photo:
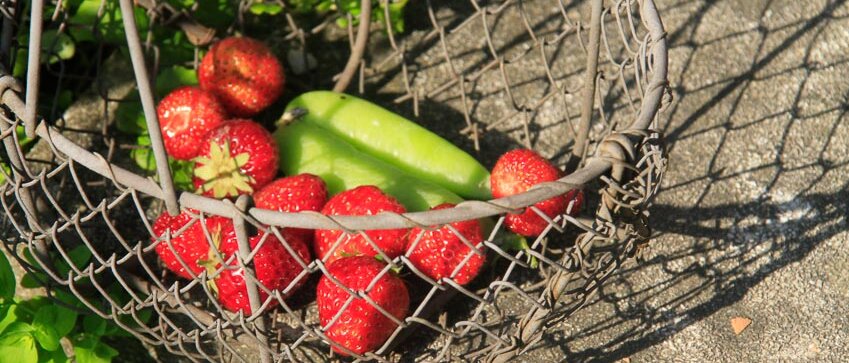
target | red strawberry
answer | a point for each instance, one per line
(517, 171)
(362, 200)
(243, 74)
(190, 244)
(361, 327)
(438, 252)
(303, 192)
(275, 268)
(238, 157)
(186, 115)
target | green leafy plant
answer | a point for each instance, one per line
(378, 13)
(32, 330)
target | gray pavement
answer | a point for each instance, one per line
(751, 221)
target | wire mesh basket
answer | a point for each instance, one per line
(581, 82)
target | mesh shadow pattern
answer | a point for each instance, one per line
(489, 76)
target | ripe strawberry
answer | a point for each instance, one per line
(275, 268)
(303, 192)
(362, 200)
(438, 252)
(244, 75)
(360, 327)
(190, 244)
(186, 115)
(517, 171)
(236, 158)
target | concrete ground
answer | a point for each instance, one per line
(752, 219)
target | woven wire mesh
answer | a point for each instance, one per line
(487, 75)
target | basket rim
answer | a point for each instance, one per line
(594, 167)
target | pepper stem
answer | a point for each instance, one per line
(291, 116)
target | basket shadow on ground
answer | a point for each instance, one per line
(730, 247)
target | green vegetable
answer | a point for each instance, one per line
(395, 140)
(305, 148)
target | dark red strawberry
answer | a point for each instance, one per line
(244, 75)
(189, 243)
(361, 327)
(303, 192)
(438, 252)
(275, 268)
(186, 115)
(238, 157)
(517, 171)
(362, 200)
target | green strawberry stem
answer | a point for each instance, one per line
(514, 242)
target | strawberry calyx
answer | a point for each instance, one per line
(222, 172)
(396, 269)
(513, 242)
(212, 260)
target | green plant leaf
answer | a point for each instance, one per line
(29, 307)
(89, 349)
(129, 116)
(32, 280)
(172, 77)
(23, 140)
(110, 26)
(56, 46)
(44, 330)
(7, 279)
(5, 171)
(65, 321)
(143, 156)
(20, 67)
(182, 174)
(79, 256)
(8, 314)
(95, 325)
(18, 347)
(174, 47)
(265, 8)
(18, 327)
(65, 99)
(218, 14)
(56, 356)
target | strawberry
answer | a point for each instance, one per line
(362, 200)
(361, 327)
(186, 115)
(439, 252)
(303, 192)
(275, 267)
(190, 243)
(517, 171)
(236, 158)
(244, 75)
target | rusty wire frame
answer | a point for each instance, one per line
(614, 148)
